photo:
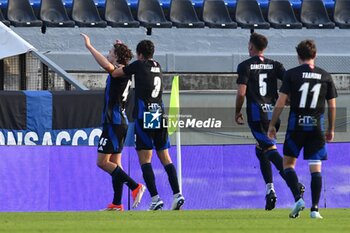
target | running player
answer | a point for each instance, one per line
(115, 123)
(149, 130)
(257, 81)
(308, 88)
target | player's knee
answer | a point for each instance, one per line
(271, 153)
(269, 149)
(101, 164)
(164, 157)
(165, 160)
(315, 166)
(143, 159)
(288, 162)
(258, 152)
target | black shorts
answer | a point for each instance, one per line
(112, 138)
(313, 142)
(259, 130)
(148, 139)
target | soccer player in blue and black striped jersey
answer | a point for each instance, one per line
(150, 132)
(308, 88)
(257, 82)
(115, 123)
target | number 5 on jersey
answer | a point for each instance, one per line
(262, 84)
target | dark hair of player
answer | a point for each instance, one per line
(123, 53)
(306, 50)
(146, 48)
(259, 41)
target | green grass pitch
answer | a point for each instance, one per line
(254, 221)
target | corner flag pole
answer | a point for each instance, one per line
(178, 157)
(174, 111)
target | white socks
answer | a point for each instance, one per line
(269, 187)
(155, 198)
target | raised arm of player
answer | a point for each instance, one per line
(100, 59)
(241, 92)
(119, 72)
(331, 119)
(281, 102)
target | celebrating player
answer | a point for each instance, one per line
(257, 81)
(115, 123)
(308, 88)
(149, 130)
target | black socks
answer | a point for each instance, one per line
(149, 178)
(172, 176)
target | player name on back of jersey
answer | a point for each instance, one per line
(155, 69)
(311, 75)
(261, 66)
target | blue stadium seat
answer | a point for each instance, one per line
(314, 15)
(342, 13)
(21, 14)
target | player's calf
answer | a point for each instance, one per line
(301, 189)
